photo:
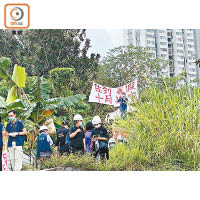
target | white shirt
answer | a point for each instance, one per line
(49, 140)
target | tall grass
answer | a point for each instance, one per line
(165, 128)
(164, 134)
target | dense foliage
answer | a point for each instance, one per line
(164, 130)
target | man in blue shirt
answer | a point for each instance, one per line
(123, 104)
(44, 143)
(16, 132)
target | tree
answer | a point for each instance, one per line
(123, 64)
(62, 80)
(43, 50)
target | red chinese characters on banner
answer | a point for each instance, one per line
(108, 99)
(98, 88)
(103, 94)
(4, 162)
(117, 98)
(130, 87)
(119, 90)
(99, 98)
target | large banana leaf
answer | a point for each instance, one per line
(16, 81)
(19, 76)
(40, 89)
(12, 95)
(16, 104)
(64, 102)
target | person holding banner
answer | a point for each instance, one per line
(2, 142)
(16, 131)
(123, 104)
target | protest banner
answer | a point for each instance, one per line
(106, 95)
(4, 161)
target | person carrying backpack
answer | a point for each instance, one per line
(44, 143)
(100, 138)
(88, 137)
(62, 139)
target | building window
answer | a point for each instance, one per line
(163, 43)
(169, 51)
(178, 33)
(150, 30)
(163, 37)
(192, 69)
(179, 45)
(180, 63)
(189, 34)
(150, 42)
(192, 75)
(179, 51)
(190, 46)
(151, 48)
(163, 55)
(169, 39)
(163, 49)
(181, 57)
(161, 31)
(190, 40)
(150, 36)
(169, 33)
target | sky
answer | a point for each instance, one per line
(104, 39)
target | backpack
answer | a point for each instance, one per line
(67, 139)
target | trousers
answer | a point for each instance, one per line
(16, 157)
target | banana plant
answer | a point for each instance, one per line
(41, 106)
(16, 82)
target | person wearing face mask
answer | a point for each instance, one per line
(16, 131)
(77, 136)
(123, 104)
(100, 138)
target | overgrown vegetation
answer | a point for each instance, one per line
(163, 132)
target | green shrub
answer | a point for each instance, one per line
(165, 129)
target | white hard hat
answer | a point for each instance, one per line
(111, 140)
(43, 128)
(120, 138)
(78, 117)
(96, 120)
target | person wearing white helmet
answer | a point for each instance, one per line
(77, 137)
(44, 143)
(100, 138)
(120, 139)
(111, 143)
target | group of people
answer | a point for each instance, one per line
(93, 139)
